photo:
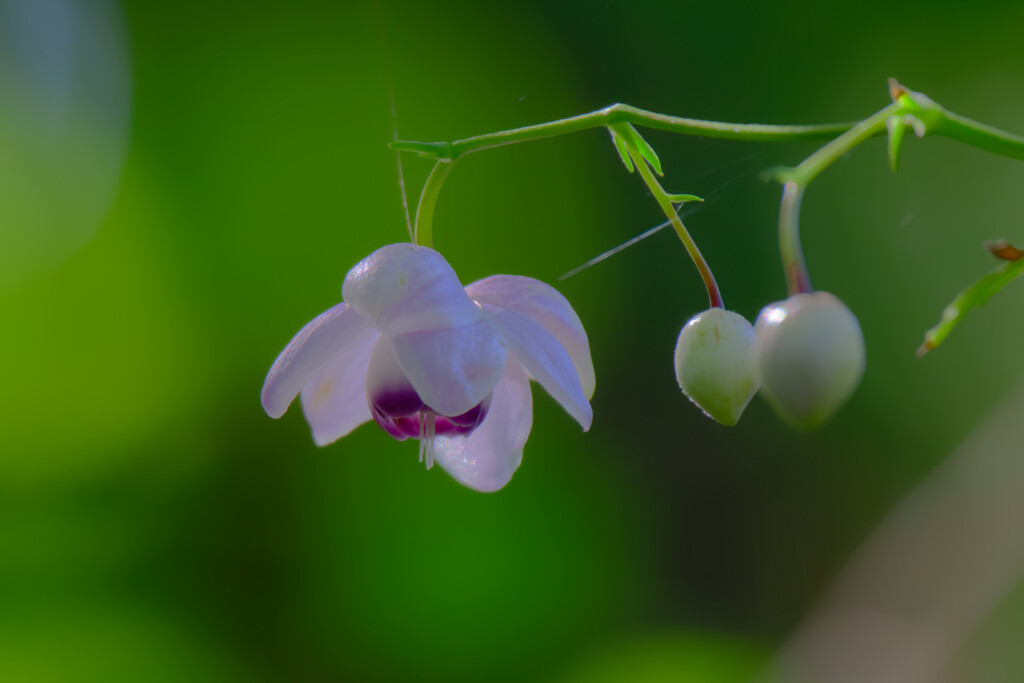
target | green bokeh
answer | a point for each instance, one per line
(155, 524)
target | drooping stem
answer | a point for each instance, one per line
(423, 232)
(798, 280)
(665, 202)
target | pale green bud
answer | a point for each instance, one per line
(714, 366)
(809, 355)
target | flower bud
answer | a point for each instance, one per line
(714, 366)
(809, 355)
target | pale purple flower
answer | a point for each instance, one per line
(428, 359)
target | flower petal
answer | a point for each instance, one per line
(452, 369)
(544, 358)
(334, 401)
(338, 332)
(486, 459)
(546, 305)
(406, 287)
(387, 387)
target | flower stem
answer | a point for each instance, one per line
(812, 166)
(423, 232)
(665, 202)
(798, 280)
(796, 180)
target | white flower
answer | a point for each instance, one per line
(427, 359)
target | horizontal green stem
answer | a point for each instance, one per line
(978, 135)
(938, 120)
(622, 113)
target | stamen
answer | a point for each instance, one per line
(422, 423)
(427, 438)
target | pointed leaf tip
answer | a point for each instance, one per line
(647, 152)
(682, 198)
(780, 174)
(972, 297)
(632, 142)
(896, 90)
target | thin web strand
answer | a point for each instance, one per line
(687, 211)
(398, 164)
(386, 59)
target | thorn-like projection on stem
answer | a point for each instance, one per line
(896, 90)
(1002, 249)
(894, 125)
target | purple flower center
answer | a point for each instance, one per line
(402, 414)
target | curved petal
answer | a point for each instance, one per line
(337, 332)
(544, 304)
(334, 400)
(406, 287)
(544, 358)
(452, 369)
(486, 459)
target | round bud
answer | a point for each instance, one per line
(714, 365)
(809, 356)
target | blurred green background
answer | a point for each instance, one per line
(184, 185)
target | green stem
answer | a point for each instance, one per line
(621, 113)
(938, 120)
(972, 297)
(979, 135)
(665, 202)
(423, 232)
